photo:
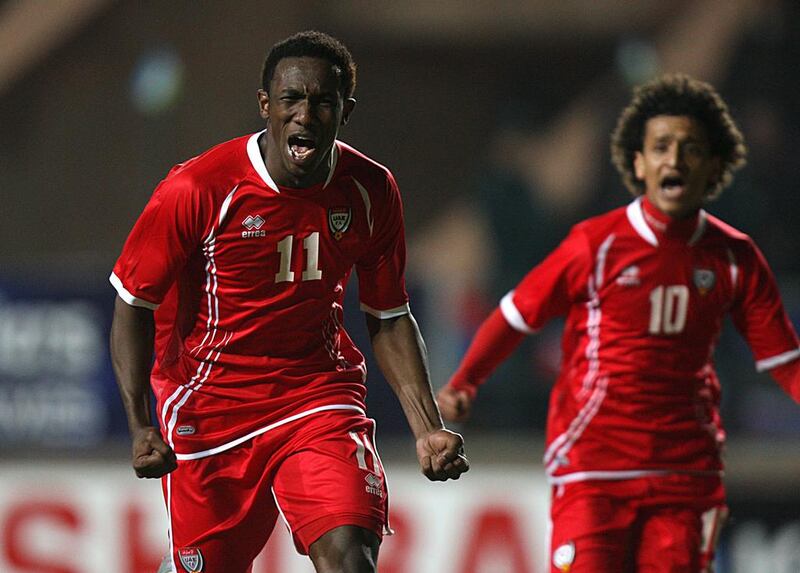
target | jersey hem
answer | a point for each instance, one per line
(233, 443)
(623, 474)
(125, 295)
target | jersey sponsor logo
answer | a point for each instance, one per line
(339, 220)
(191, 559)
(253, 226)
(704, 280)
(629, 276)
(185, 430)
(564, 556)
(374, 485)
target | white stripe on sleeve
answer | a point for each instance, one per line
(513, 315)
(125, 295)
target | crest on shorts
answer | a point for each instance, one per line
(704, 280)
(564, 556)
(191, 559)
(339, 220)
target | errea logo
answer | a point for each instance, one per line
(253, 226)
(629, 276)
(374, 485)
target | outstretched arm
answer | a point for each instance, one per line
(493, 343)
(401, 356)
(132, 334)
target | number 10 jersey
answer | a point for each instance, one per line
(637, 392)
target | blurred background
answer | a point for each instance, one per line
(494, 117)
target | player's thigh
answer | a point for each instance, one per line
(347, 549)
(670, 540)
(335, 480)
(591, 533)
(220, 510)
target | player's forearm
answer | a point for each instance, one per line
(132, 334)
(401, 356)
(492, 344)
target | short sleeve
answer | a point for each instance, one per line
(758, 312)
(381, 270)
(550, 288)
(167, 232)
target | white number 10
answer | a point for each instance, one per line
(311, 246)
(668, 306)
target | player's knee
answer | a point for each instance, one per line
(346, 549)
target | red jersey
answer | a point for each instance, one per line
(644, 301)
(247, 281)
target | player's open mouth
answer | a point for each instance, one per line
(300, 147)
(673, 186)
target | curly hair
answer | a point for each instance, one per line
(677, 95)
(315, 45)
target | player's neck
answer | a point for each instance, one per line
(664, 225)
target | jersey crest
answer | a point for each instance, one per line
(191, 559)
(704, 280)
(339, 220)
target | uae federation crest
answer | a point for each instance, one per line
(191, 559)
(704, 280)
(339, 220)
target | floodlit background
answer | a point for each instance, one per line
(495, 118)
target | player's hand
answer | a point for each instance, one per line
(152, 457)
(455, 405)
(441, 455)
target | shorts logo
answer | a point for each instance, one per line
(191, 559)
(374, 485)
(704, 280)
(339, 220)
(253, 226)
(185, 430)
(564, 556)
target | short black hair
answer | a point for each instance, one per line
(315, 45)
(677, 95)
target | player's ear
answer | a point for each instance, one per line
(638, 165)
(349, 104)
(263, 104)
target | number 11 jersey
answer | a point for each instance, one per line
(247, 282)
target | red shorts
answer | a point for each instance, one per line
(317, 473)
(665, 524)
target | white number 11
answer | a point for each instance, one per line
(311, 246)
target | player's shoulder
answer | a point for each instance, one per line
(719, 228)
(213, 169)
(352, 163)
(718, 231)
(599, 227)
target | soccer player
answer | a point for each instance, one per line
(235, 274)
(633, 433)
